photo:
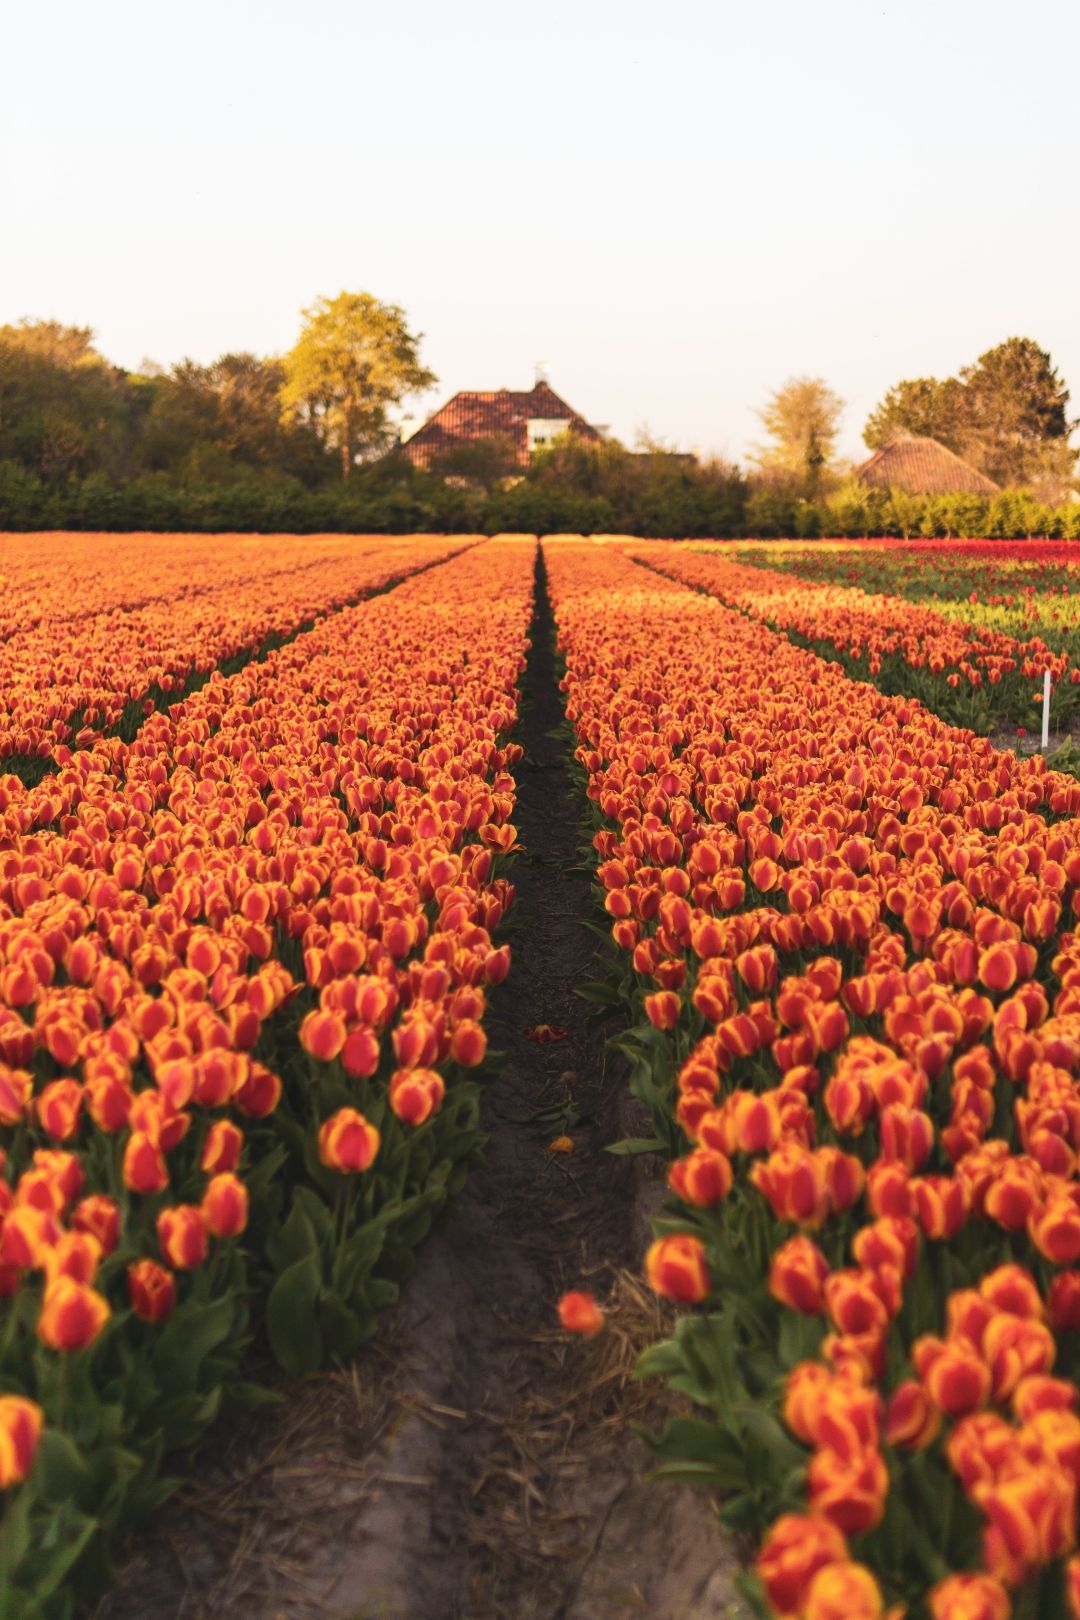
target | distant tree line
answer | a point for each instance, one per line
(305, 442)
(1006, 415)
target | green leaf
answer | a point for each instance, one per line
(600, 992)
(291, 1323)
(61, 1473)
(631, 1145)
(249, 1395)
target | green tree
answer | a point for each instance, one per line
(484, 462)
(226, 416)
(1007, 414)
(354, 359)
(64, 410)
(923, 406)
(1017, 424)
(802, 420)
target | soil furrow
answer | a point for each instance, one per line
(477, 1464)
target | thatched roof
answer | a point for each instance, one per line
(923, 467)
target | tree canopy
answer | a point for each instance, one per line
(1007, 414)
(63, 409)
(802, 420)
(355, 358)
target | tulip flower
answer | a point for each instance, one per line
(676, 1268)
(21, 1422)
(152, 1290)
(347, 1142)
(579, 1313)
(72, 1315)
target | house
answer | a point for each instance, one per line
(531, 420)
(922, 467)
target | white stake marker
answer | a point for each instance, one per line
(1046, 708)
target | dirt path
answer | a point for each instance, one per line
(477, 1465)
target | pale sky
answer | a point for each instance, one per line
(675, 207)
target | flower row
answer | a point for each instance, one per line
(67, 679)
(970, 673)
(244, 963)
(845, 932)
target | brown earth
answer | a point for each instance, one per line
(476, 1464)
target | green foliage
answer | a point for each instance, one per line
(64, 411)
(1016, 421)
(354, 358)
(802, 420)
(1007, 415)
(922, 406)
(222, 423)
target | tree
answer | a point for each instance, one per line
(1006, 414)
(355, 358)
(64, 410)
(480, 461)
(922, 406)
(1016, 409)
(226, 415)
(802, 420)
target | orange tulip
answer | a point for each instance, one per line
(677, 1268)
(969, 1597)
(181, 1234)
(956, 1378)
(100, 1216)
(152, 1290)
(797, 1276)
(845, 1591)
(21, 1422)
(347, 1142)
(72, 1315)
(224, 1205)
(416, 1094)
(796, 1546)
(222, 1148)
(579, 1313)
(703, 1178)
(912, 1421)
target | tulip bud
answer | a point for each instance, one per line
(663, 1009)
(152, 1290)
(703, 1178)
(1063, 1302)
(21, 1423)
(72, 1315)
(222, 1148)
(677, 1269)
(181, 1233)
(100, 1216)
(360, 1054)
(468, 1044)
(579, 1313)
(844, 1592)
(957, 1378)
(796, 1546)
(144, 1168)
(415, 1094)
(911, 1418)
(58, 1108)
(322, 1034)
(347, 1142)
(797, 1276)
(224, 1206)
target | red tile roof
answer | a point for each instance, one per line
(923, 467)
(498, 414)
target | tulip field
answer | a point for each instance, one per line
(257, 849)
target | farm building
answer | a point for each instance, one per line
(530, 419)
(922, 467)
